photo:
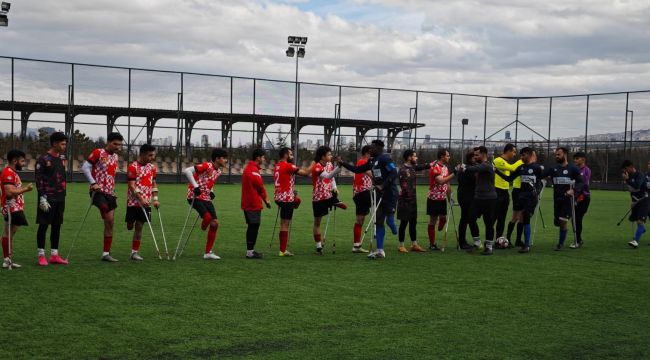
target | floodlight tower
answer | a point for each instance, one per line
(4, 9)
(296, 48)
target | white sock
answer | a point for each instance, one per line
(319, 245)
(249, 252)
(41, 252)
(54, 252)
(357, 245)
(133, 251)
(105, 253)
(414, 242)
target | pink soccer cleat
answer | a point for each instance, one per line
(56, 259)
(42, 261)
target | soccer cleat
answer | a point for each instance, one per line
(487, 251)
(434, 247)
(559, 247)
(8, 264)
(379, 254)
(359, 250)
(634, 244)
(42, 261)
(319, 251)
(477, 244)
(524, 250)
(341, 205)
(466, 247)
(211, 256)
(417, 248)
(109, 258)
(287, 253)
(255, 255)
(56, 259)
(574, 245)
(136, 257)
(402, 249)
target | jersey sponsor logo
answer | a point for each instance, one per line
(530, 171)
(565, 172)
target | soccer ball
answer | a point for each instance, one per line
(502, 243)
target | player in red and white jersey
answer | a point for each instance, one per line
(100, 169)
(439, 190)
(141, 194)
(284, 174)
(13, 203)
(202, 178)
(361, 188)
(324, 193)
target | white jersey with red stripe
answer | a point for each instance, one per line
(362, 182)
(206, 175)
(284, 178)
(437, 191)
(322, 188)
(144, 176)
(10, 177)
(104, 169)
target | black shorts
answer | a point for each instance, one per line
(362, 202)
(104, 202)
(516, 205)
(436, 207)
(407, 209)
(286, 209)
(526, 201)
(134, 213)
(17, 218)
(54, 216)
(253, 217)
(202, 207)
(483, 208)
(561, 210)
(322, 208)
(640, 210)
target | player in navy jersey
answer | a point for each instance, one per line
(566, 183)
(51, 185)
(638, 188)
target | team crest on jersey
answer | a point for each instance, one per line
(530, 171)
(48, 163)
(565, 172)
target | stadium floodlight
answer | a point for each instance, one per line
(4, 21)
(5, 6)
(296, 47)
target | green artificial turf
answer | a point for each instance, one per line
(587, 303)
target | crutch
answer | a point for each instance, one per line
(83, 221)
(183, 230)
(189, 234)
(538, 209)
(334, 237)
(162, 230)
(275, 225)
(327, 223)
(626, 214)
(453, 220)
(372, 218)
(11, 248)
(153, 236)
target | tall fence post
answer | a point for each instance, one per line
(586, 124)
(451, 113)
(627, 103)
(485, 120)
(550, 117)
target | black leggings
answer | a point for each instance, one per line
(581, 210)
(412, 224)
(465, 220)
(251, 236)
(54, 236)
